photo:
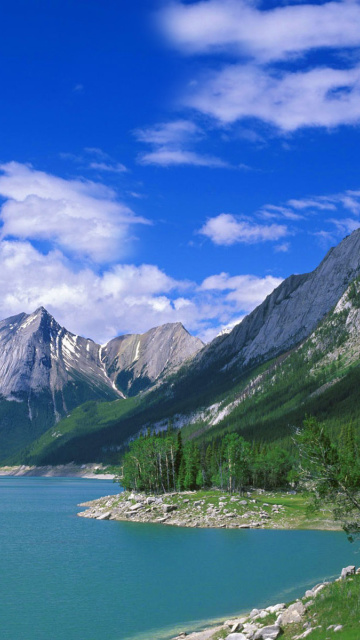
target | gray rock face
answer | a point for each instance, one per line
(290, 313)
(39, 356)
(135, 362)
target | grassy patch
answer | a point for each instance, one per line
(337, 604)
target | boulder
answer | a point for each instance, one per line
(270, 632)
(236, 636)
(249, 629)
(104, 516)
(169, 507)
(254, 612)
(347, 571)
(235, 621)
(150, 500)
(275, 608)
(261, 615)
(293, 613)
(136, 506)
(338, 627)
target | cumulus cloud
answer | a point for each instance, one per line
(246, 290)
(171, 144)
(81, 217)
(299, 93)
(226, 229)
(122, 299)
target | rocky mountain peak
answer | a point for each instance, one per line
(135, 362)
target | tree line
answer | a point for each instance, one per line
(159, 463)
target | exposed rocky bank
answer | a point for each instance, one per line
(257, 509)
(60, 471)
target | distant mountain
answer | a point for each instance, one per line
(135, 362)
(297, 353)
(46, 371)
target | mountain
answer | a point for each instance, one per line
(289, 313)
(46, 371)
(135, 362)
(297, 353)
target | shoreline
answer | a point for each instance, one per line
(88, 471)
(295, 620)
(211, 509)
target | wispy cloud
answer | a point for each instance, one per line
(172, 144)
(110, 168)
(289, 218)
(95, 159)
(167, 157)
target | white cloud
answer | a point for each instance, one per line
(302, 92)
(246, 290)
(287, 100)
(78, 216)
(171, 145)
(240, 27)
(226, 229)
(122, 299)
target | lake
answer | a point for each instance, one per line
(70, 578)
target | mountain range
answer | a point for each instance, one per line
(295, 353)
(46, 371)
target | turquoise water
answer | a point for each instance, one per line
(69, 578)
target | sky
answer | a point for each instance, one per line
(172, 161)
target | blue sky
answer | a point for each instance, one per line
(172, 161)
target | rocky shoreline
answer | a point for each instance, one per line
(296, 620)
(257, 509)
(89, 471)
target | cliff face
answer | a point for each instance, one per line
(290, 313)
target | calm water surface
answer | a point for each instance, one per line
(69, 578)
